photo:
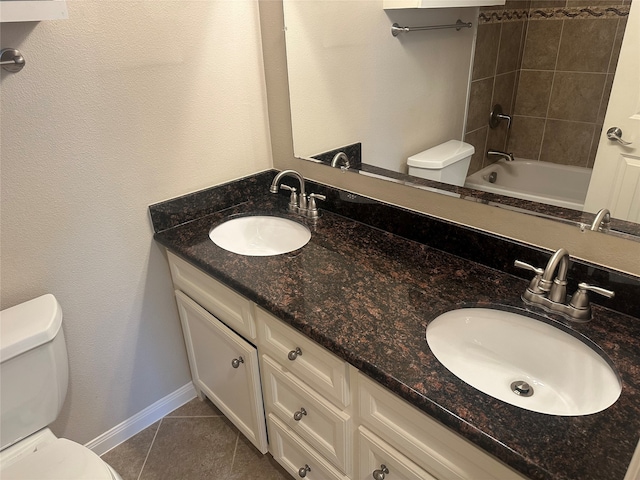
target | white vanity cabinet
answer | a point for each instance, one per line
(325, 419)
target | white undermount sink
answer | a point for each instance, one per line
(523, 361)
(260, 235)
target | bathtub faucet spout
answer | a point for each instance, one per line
(507, 156)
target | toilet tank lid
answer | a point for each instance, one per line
(441, 155)
(29, 325)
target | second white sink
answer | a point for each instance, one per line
(260, 235)
(523, 361)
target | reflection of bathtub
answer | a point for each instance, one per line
(544, 182)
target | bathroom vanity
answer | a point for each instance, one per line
(326, 345)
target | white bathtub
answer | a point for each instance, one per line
(544, 182)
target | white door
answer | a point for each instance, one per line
(615, 182)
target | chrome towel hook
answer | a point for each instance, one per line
(11, 60)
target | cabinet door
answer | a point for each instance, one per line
(225, 368)
(377, 459)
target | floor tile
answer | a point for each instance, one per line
(248, 462)
(191, 448)
(128, 458)
(196, 408)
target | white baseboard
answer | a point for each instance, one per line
(141, 420)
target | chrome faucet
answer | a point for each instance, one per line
(302, 204)
(507, 156)
(341, 156)
(602, 220)
(551, 293)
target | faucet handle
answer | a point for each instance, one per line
(312, 211)
(293, 198)
(534, 285)
(580, 299)
(528, 266)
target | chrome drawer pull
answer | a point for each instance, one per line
(293, 354)
(235, 363)
(303, 470)
(299, 414)
(379, 474)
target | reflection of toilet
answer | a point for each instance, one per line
(447, 162)
(34, 376)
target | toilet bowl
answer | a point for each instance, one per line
(446, 163)
(33, 385)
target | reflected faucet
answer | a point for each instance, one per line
(602, 220)
(507, 156)
(341, 156)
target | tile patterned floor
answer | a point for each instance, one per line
(193, 442)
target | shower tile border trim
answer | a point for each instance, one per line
(565, 13)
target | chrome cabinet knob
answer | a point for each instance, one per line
(299, 414)
(235, 363)
(293, 354)
(615, 134)
(302, 472)
(379, 474)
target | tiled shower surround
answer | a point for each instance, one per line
(550, 64)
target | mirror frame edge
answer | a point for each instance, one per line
(605, 250)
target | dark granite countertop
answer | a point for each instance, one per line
(368, 295)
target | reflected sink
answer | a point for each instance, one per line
(260, 235)
(523, 361)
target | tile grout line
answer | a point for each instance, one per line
(150, 447)
(235, 449)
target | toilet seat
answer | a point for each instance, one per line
(59, 460)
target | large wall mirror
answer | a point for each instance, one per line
(382, 99)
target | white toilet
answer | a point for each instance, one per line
(34, 375)
(447, 162)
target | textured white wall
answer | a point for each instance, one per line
(125, 104)
(351, 81)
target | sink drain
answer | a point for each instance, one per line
(522, 388)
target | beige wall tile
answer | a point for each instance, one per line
(576, 96)
(525, 138)
(504, 91)
(594, 145)
(534, 90)
(510, 44)
(586, 45)
(477, 138)
(486, 55)
(479, 104)
(541, 45)
(606, 95)
(568, 143)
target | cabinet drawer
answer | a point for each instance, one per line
(324, 426)
(375, 454)
(234, 387)
(431, 445)
(294, 454)
(229, 307)
(317, 367)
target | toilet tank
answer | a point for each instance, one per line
(34, 372)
